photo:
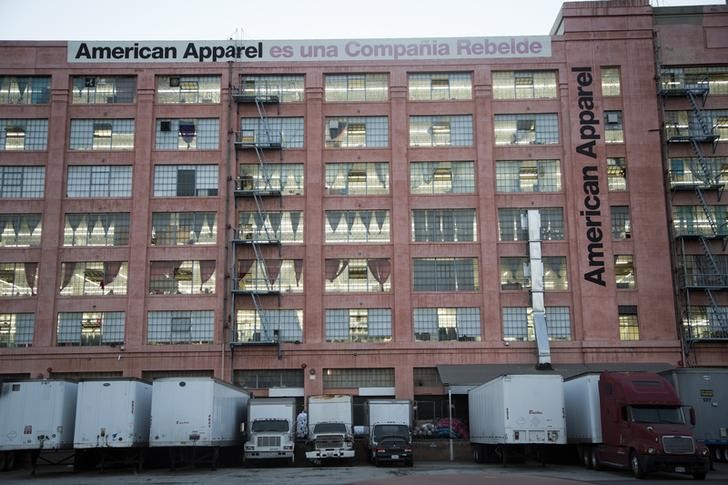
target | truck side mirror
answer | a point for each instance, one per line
(692, 416)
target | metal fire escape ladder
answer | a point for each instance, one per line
(533, 220)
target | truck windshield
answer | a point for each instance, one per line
(270, 425)
(641, 414)
(330, 428)
(382, 431)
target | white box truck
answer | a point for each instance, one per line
(390, 430)
(196, 412)
(112, 420)
(513, 414)
(270, 429)
(35, 416)
(330, 428)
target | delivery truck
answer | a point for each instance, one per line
(36, 416)
(330, 434)
(390, 430)
(632, 420)
(706, 390)
(191, 415)
(515, 415)
(270, 429)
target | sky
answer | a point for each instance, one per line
(277, 19)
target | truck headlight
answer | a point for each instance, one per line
(553, 436)
(651, 451)
(705, 452)
(249, 447)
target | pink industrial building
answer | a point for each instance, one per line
(374, 217)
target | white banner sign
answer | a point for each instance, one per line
(470, 48)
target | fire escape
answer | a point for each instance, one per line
(253, 239)
(698, 273)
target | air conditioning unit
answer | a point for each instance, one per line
(174, 82)
(90, 82)
(612, 118)
(165, 125)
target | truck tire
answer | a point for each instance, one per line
(636, 465)
(594, 459)
(586, 457)
(477, 454)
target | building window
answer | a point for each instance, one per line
(610, 81)
(18, 182)
(435, 131)
(105, 134)
(96, 229)
(443, 324)
(357, 132)
(613, 132)
(189, 134)
(440, 86)
(92, 181)
(426, 376)
(624, 271)
(103, 90)
(16, 329)
(445, 274)
(182, 277)
(691, 220)
(287, 89)
(183, 228)
(20, 230)
(716, 78)
(23, 134)
(358, 275)
(181, 327)
(25, 89)
(185, 180)
(690, 171)
(283, 226)
(353, 378)
(524, 85)
(516, 273)
(512, 224)
(357, 226)
(518, 324)
(431, 178)
(93, 278)
(18, 279)
(617, 174)
(286, 132)
(701, 322)
(698, 270)
(269, 275)
(359, 325)
(528, 176)
(288, 178)
(90, 328)
(188, 89)
(267, 378)
(366, 178)
(356, 87)
(519, 129)
(283, 325)
(444, 225)
(628, 326)
(621, 227)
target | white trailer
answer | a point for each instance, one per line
(196, 412)
(583, 410)
(35, 416)
(270, 429)
(390, 430)
(516, 413)
(329, 428)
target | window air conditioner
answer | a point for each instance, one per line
(165, 125)
(90, 82)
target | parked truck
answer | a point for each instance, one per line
(516, 414)
(36, 416)
(330, 433)
(270, 429)
(706, 390)
(632, 420)
(390, 430)
(198, 414)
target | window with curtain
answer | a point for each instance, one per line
(184, 228)
(515, 273)
(269, 274)
(445, 274)
(20, 230)
(187, 134)
(90, 328)
(23, 134)
(431, 178)
(354, 179)
(444, 225)
(95, 278)
(358, 275)
(16, 329)
(447, 324)
(96, 229)
(283, 226)
(103, 89)
(18, 279)
(440, 86)
(284, 177)
(356, 226)
(285, 324)
(518, 324)
(180, 327)
(182, 277)
(25, 89)
(358, 325)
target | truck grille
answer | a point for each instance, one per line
(269, 441)
(329, 441)
(678, 445)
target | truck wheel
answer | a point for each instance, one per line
(636, 465)
(725, 453)
(476, 454)
(594, 459)
(586, 458)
